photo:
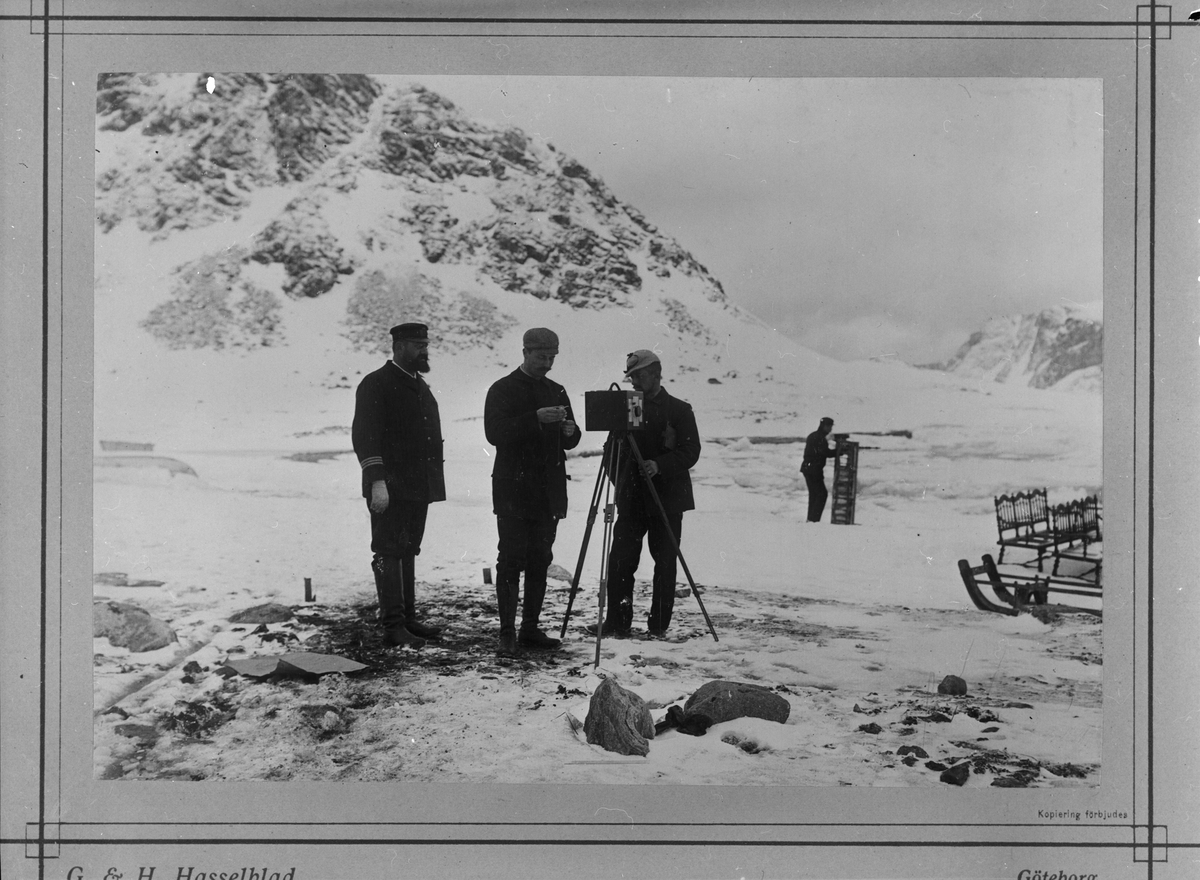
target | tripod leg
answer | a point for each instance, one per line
(641, 463)
(587, 535)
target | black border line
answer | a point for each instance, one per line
(45, 428)
(1150, 451)
(1155, 26)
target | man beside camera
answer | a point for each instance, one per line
(528, 418)
(669, 443)
(816, 451)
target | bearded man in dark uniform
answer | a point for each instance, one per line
(528, 418)
(397, 436)
(670, 445)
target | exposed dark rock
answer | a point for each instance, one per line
(128, 626)
(953, 686)
(726, 700)
(957, 775)
(912, 750)
(870, 728)
(618, 720)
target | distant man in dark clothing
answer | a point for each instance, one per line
(397, 437)
(816, 451)
(528, 418)
(670, 444)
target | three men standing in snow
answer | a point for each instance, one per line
(528, 418)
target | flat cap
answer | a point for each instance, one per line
(539, 338)
(643, 357)
(410, 331)
(825, 420)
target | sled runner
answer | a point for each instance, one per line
(1016, 592)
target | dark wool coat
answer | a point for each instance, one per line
(816, 452)
(670, 439)
(529, 477)
(397, 435)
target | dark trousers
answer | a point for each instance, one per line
(526, 544)
(817, 495)
(631, 526)
(399, 529)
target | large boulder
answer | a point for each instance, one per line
(618, 720)
(726, 700)
(128, 626)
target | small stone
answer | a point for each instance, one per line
(912, 750)
(953, 686)
(870, 728)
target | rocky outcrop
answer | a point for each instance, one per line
(203, 153)
(373, 169)
(1039, 350)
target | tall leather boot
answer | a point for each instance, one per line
(531, 611)
(508, 587)
(424, 631)
(389, 587)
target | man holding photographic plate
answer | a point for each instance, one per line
(528, 418)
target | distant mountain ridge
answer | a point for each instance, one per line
(388, 186)
(1060, 347)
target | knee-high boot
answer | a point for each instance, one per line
(414, 626)
(508, 587)
(531, 611)
(389, 587)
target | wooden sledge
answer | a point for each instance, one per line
(1019, 592)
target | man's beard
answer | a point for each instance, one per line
(419, 364)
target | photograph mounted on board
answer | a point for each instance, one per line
(863, 318)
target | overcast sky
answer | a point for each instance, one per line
(861, 217)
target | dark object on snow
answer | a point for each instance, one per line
(128, 626)
(953, 686)
(618, 720)
(270, 612)
(912, 750)
(692, 725)
(935, 766)
(956, 775)
(298, 663)
(870, 728)
(125, 446)
(120, 579)
(726, 700)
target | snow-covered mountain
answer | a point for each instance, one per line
(388, 187)
(1060, 347)
(254, 243)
